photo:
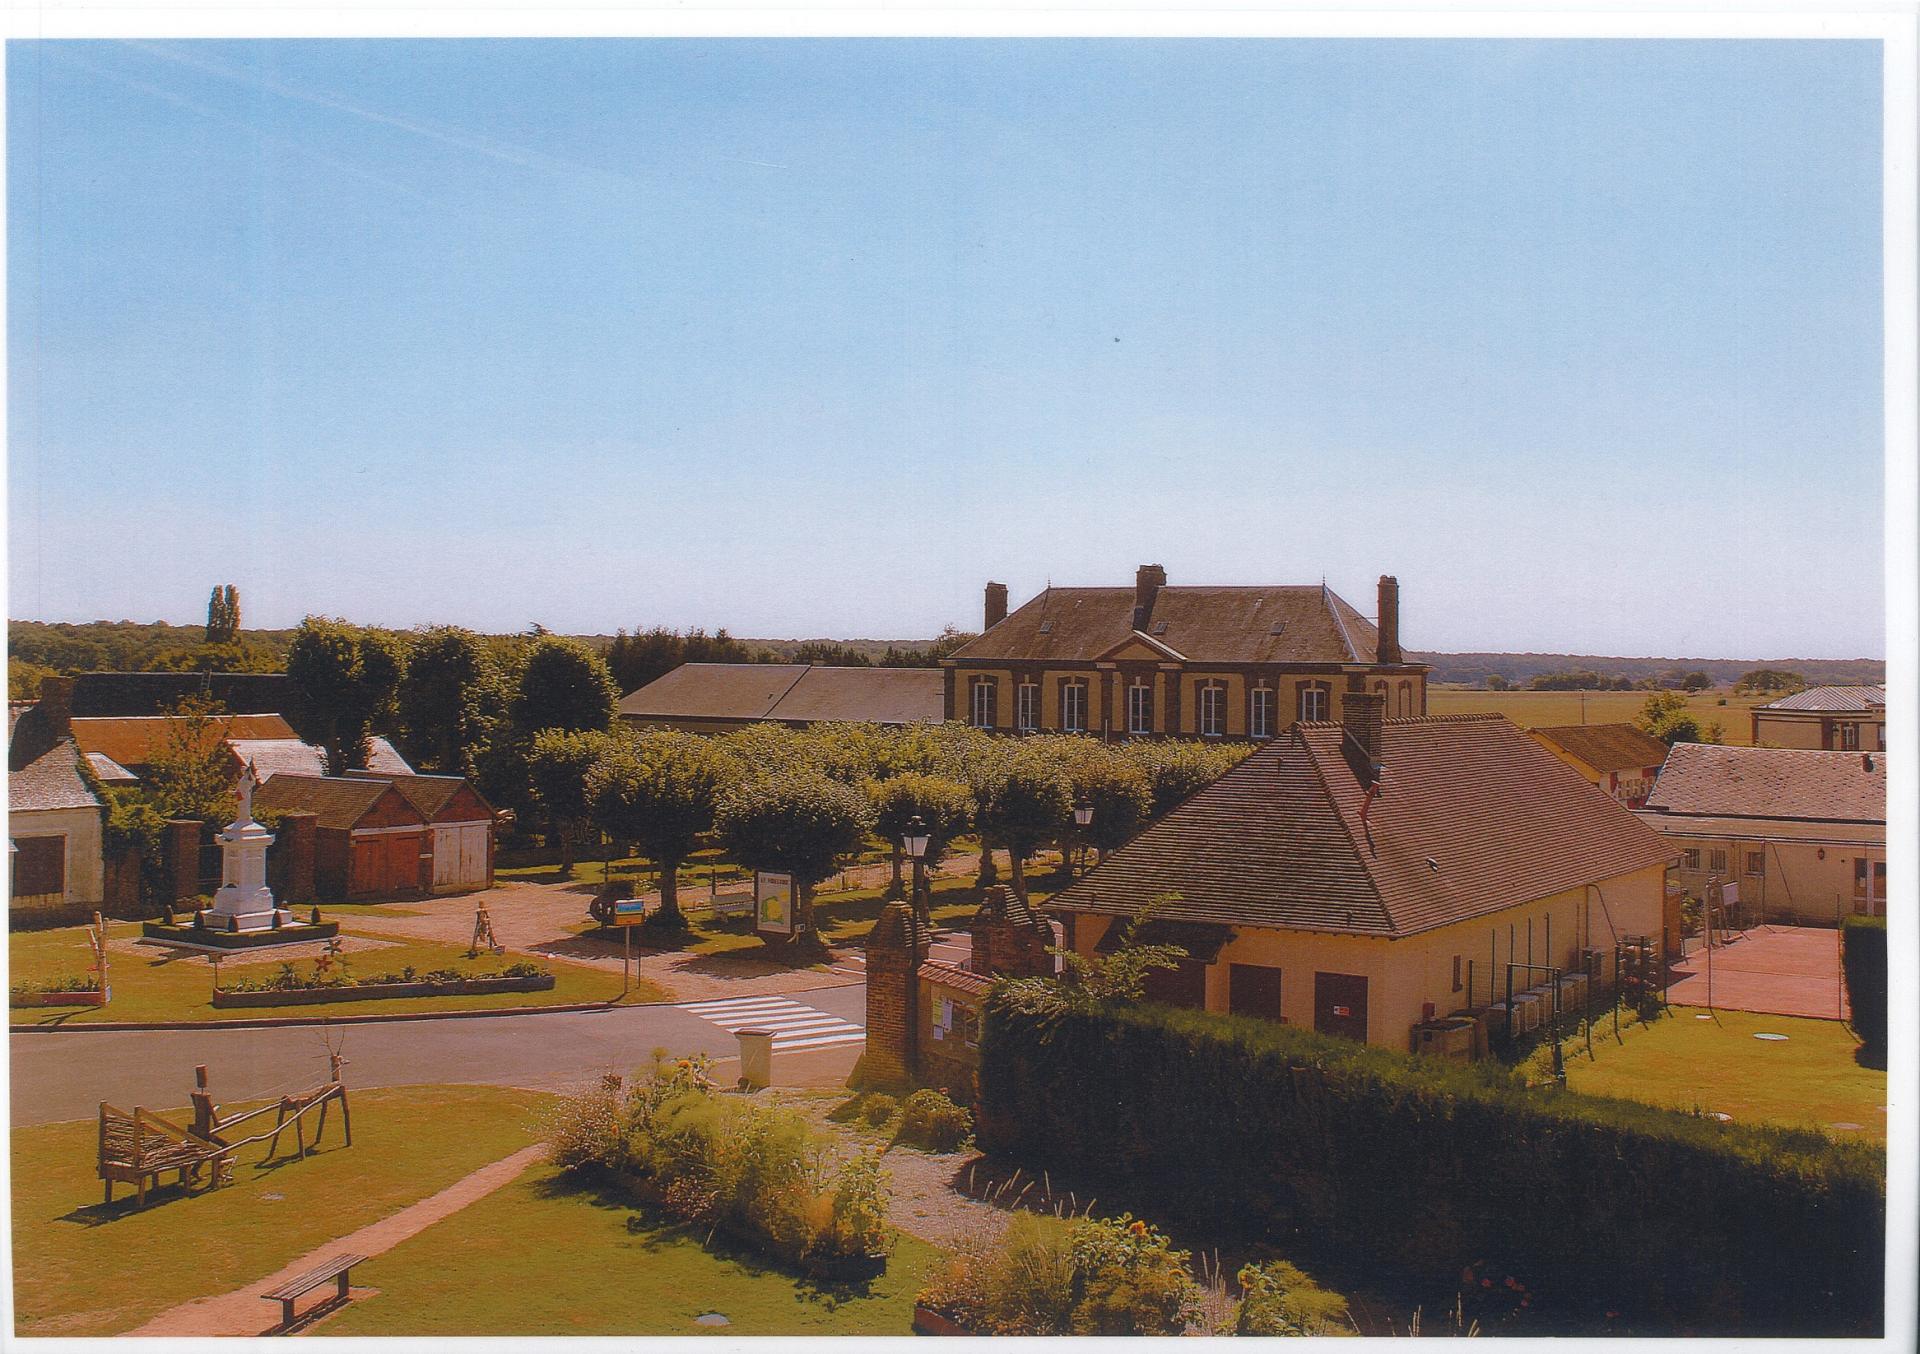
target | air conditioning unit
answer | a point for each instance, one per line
(1448, 1037)
(1486, 1028)
(1526, 1011)
(1573, 991)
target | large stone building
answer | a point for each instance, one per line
(1801, 834)
(1830, 718)
(1210, 662)
(1360, 878)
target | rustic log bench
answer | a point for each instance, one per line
(300, 1284)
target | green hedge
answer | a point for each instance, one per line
(1420, 1169)
(1863, 957)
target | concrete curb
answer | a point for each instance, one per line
(397, 1018)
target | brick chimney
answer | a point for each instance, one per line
(996, 605)
(56, 705)
(1147, 582)
(1389, 620)
(1362, 713)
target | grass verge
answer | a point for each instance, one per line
(81, 1268)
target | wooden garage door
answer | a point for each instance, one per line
(1254, 989)
(386, 863)
(460, 856)
(1340, 1005)
(1182, 986)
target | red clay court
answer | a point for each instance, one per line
(1778, 970)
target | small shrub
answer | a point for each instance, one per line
(1863, 959)
(584, 1130)
(930, 1120)
(1130, 1279)
(878, 1109)
(1280, 1300)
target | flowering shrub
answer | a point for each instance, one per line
(760, 1173)
(86, 982)
(332, 972)
(1280, 1300)
(878, 1108)
(929, 1119)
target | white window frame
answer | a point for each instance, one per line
(1313, 704)
(1026, 707)
(1073, 707)
(1139, 704)
(1211, 710)
(1717, 860)
(980, 702)
(1260, 712)
(1690, 859)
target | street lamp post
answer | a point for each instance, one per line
(1083, 819)
(914, 842)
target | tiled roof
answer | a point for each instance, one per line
(1765, 829)
(50, 781)
(1472, 817)
(1738, 782)
(1204, 625)
(133, 741)
(429, 794)
(272, 756)
(1607, 747)
(1832, 699)
(964, 980)
(790, 691)
(339, 802)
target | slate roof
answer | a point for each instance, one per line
(1202, 625)
(1472, 817)
(1832, 700)
(133, 741)
(1740, 782)
(50, 781)
(109, 771)
(338, 802)
(794, 692)
(1607, 747)
(272, 756)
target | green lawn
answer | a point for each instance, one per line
(80, 1268)
(164, 986)
(1537, 709)
(542, 1257)
(1809, 1079)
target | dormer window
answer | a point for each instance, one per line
(1159, 627)
(1046, 627)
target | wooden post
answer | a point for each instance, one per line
(626, 958)
(204, 1115)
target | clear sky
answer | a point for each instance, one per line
(1582, 340)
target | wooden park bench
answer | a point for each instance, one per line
(301, 1284)
(137, 1147)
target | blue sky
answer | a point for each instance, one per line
(1582, 340)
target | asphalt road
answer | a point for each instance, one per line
(66, 1074)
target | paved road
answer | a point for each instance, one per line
(65, 1075)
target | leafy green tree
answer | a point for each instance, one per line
(646, 655)
(558, 763)
(1765, 681)
(348, 677)
(1176, 770)
(565, 685)
(448, 700)
(223, 615)
(1495, 682)
(797, 822)
(1021, 802)
(943, 806)
(1113, 784)
(192, 773)
(1666, 717)
(24, 679)
(831, 654)
(659, 791)
(1695, 681)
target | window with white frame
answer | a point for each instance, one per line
(1213, 710)
(1313, 703)
(1717, 861)
(1073, 707)
(981, 709)
(1140, 706)
(1026, 707)
(1690, 858)
(1260, 712)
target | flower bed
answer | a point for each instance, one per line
(66, 992)
(287, 988)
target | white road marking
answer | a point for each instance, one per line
(793, 1024)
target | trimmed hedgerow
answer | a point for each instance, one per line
(1863, 958)
(1671, 1220)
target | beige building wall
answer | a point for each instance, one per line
(1781, 730)
(1803, 880)
(1404, 975)
(85, 871)
(1411, 700)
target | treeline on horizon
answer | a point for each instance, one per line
(40, 648)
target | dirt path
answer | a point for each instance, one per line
(244, 1312)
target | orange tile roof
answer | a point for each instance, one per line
(1472, 817)
(1607, 747)
(1738, 782)
(133, 741)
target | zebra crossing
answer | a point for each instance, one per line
(793, 1024)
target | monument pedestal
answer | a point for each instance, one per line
(244, 902)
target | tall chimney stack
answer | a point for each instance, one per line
(1148, 579)
(56, 705)
(1361, 714)
(1389, 620)
(996, 605)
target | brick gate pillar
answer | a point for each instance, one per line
(896, 948)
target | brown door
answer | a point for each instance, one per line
(1254, 989)
(369, 866)
(39, 866)
(1340, 1005)
(1182, 986)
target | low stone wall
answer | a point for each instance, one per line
(320, 996)
(214, 939)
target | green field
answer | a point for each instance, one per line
(545, 1257)
(1808, 1080)
(165, 986)
(82, 1268)
(1545, 709)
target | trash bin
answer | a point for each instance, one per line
(756, 1058)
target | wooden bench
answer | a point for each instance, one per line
(301, 1284)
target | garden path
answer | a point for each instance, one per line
(245, 1312)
